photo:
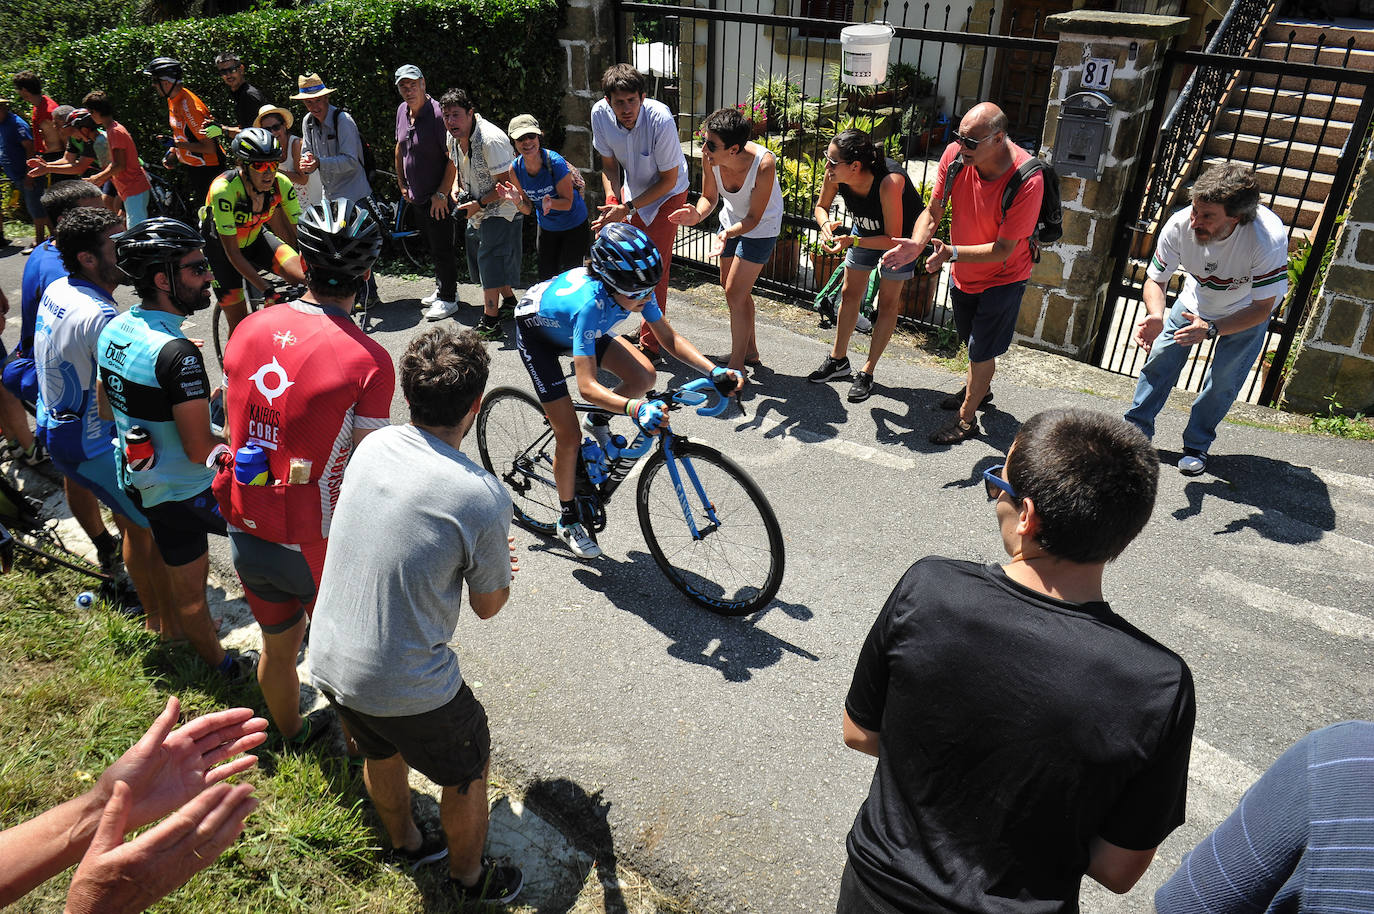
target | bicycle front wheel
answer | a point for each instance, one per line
(516, 444)
(412, 240)
(733, 563)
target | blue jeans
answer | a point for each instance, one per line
(1232, 359)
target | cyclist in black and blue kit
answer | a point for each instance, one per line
(577, 312)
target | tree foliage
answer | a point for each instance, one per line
(504, 52)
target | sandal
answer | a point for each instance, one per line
(957, 431)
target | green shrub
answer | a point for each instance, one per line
(504, 52)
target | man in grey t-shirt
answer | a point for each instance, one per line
(416, 520)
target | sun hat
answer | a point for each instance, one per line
(310, 86)
(273, 109)
(409, 71)
(523, 125)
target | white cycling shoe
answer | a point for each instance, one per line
(576, 538)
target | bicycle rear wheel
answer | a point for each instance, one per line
(413, 241)
(516, 444)
(733, 566)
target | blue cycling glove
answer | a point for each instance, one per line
(724, 381)
(649, 415)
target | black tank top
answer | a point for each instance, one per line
(867, 211)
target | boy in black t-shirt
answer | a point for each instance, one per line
(1025, 733)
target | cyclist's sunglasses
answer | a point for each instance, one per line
(969, 142)
(263, 167)
(200, 267)
(996, 485)
(225, 71)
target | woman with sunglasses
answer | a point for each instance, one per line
(252, 210)
(278, 122)
(745, 175)
(882, 204)
(577, 313)
(545, 186)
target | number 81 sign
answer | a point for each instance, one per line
(1097, 72)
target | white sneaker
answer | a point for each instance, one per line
(440, 310)
(431, 298)
(602, 433)
(576, 538)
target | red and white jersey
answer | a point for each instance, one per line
(299, 378)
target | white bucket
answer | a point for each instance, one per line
(864, 49)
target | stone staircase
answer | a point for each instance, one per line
(1293, 128)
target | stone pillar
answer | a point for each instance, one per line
(1335, 354)
(588, 39)
(1068, 289)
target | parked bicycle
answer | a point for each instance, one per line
(22, 516)
(163, 198)
(402, 235)
(706, 522)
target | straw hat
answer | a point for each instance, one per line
(310, 86)
(273, 109)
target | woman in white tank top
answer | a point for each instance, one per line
(745, 176)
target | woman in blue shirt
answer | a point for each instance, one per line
(547, 187)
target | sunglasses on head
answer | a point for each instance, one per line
(969, 142)
(996, 485)
(263, 166)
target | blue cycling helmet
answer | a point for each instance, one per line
(626, 260)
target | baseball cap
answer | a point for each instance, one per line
(409, 71)
(523, 125)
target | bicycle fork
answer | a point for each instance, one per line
(707, 507)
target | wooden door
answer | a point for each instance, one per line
(1021, 80)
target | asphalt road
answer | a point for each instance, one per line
(711, 747)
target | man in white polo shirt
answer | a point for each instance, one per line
(1234, 254)
(639, 136)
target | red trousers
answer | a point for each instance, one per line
(662, 233)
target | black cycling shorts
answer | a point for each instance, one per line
(261, 254)
(540, 355)
(182, 529)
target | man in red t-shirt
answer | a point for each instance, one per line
(47, 140)
(305, 385)
(990, 252)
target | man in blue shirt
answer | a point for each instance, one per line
(16, 148)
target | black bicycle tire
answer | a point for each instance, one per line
(529, 417)
(656, 468)
(413, 244)
(218, 321)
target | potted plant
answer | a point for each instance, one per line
(776, 96)
(908, 83)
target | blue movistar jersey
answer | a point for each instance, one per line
(148, 366)
(575, 310)
(71, 315)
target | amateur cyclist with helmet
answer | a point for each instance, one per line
(305, 385)
(253, 210)
(193, 142)
(576, 312)
(153, 385)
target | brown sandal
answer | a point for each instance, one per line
(955, 432)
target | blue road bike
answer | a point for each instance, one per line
(706, 522)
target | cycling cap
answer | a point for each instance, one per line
(255, 144)
(340, 237)
(153, 243)
(625, 259)
(80, 117)
(164, 68)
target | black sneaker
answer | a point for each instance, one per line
(861, 388)
(243, 667)
(111, 560)
(488, 328)
(433, 847)
(830, 369)
(496, 885)
(507, 309)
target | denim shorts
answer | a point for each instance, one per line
(494, 252)
(865, 259)
(754, 250)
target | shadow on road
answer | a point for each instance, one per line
(734, 646)
(1291, 504)
(912, 429)
(584, 819)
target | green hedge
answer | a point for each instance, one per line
(504, 52)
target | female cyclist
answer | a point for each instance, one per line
(576, 312)
(745, 174)
(883, 204)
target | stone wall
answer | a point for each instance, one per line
(1335, 356)
(588, 40)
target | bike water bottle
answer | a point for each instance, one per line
(250, 465)
(139, 453)
(595, 460)
(614, 445)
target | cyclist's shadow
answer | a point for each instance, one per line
(777, 404)
(734, 646)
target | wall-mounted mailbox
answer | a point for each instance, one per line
(1082, 135)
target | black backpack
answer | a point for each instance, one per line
(1049, 225)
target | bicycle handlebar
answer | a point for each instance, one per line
(695, 392)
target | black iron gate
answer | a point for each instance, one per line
(783, 71)
(1289, 105)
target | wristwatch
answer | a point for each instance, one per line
(953, 253)
(1212, 330)
(629, 206)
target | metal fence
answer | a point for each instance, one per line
(784, 73)
(1298, 118)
